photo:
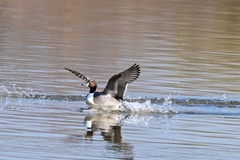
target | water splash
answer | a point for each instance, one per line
(13, 91)
(15, 98)
(167, 104)
(134, 104)
(162, 120)
(148, 106)
(224, 97)
(145, 105)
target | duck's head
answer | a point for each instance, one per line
(92, 84)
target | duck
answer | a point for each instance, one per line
(112, 96)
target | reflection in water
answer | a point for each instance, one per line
(110, 127)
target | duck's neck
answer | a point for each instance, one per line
(93, 89)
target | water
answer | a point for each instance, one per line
(184, 105)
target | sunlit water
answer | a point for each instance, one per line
(184, 105)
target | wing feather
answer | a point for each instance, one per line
(80, 75)
(117, 84)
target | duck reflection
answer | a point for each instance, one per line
(109, 125)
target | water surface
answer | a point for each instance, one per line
(184, 105)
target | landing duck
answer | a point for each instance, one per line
(112, 96)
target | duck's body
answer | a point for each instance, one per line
(110, 98)
(98, 100)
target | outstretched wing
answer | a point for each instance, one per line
(78, 74)
(117, 84)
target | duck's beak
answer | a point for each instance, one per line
(86, 84)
